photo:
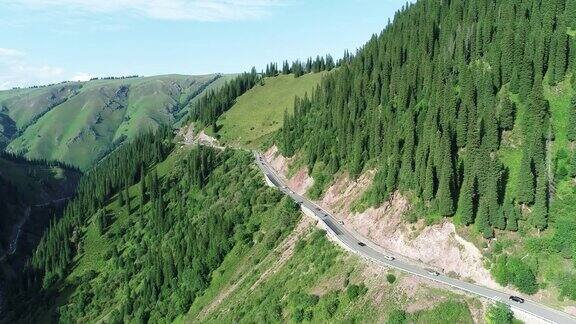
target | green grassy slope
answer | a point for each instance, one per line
(309, 279)
(77, 130)
(25, 105)
(79, 122)
(260, 111)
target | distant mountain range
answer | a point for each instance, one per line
(79, 122)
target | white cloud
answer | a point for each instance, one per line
(197, 10)
(81, 77)
(17, 71)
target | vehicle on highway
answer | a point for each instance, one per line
(318, 208)
(361, 243)
(517, 299)
(389, 257)
(341, 222)
(432, 272)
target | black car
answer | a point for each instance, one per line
(361, 243)
(517, 299)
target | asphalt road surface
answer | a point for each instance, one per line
(356, 245)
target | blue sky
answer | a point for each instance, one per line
(43, 41)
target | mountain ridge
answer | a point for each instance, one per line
(59, 122)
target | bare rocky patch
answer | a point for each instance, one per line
(300, 182)
(188, 137)
(437, 245)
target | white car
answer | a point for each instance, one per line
(389, 257)
(341, 222)
(432, 272)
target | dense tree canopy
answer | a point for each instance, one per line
(430, 99)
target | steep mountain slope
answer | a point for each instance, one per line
(7, 130)
(468, 109)
(80, 122)
(462, 108)
(31, 194)
(190, 226)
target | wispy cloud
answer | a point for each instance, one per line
(196, 10)
(10, 53)
(17, 71)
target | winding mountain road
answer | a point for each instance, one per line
(356, 245)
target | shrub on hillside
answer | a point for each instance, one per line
(355, 291)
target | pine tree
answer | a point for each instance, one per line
(561, 57)
(466, 201)
(507, 54)
(143, 185)
(428, 190)
(512, 216)
(356, 164)
(490, 139)
(525, 180)
(285, 68)
(392, 172)
(483, 219)
(127, 197)
(98, 222)
(121, 199)
(462, 127)
(500, 219)
(444, 196)
(540, 210)
(507, 113)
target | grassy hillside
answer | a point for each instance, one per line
(260, 111)
(25, 105)
(79, 122)
(306, 278)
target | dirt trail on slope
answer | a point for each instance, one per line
(285, 250)
(437, 245)
(189, 137)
